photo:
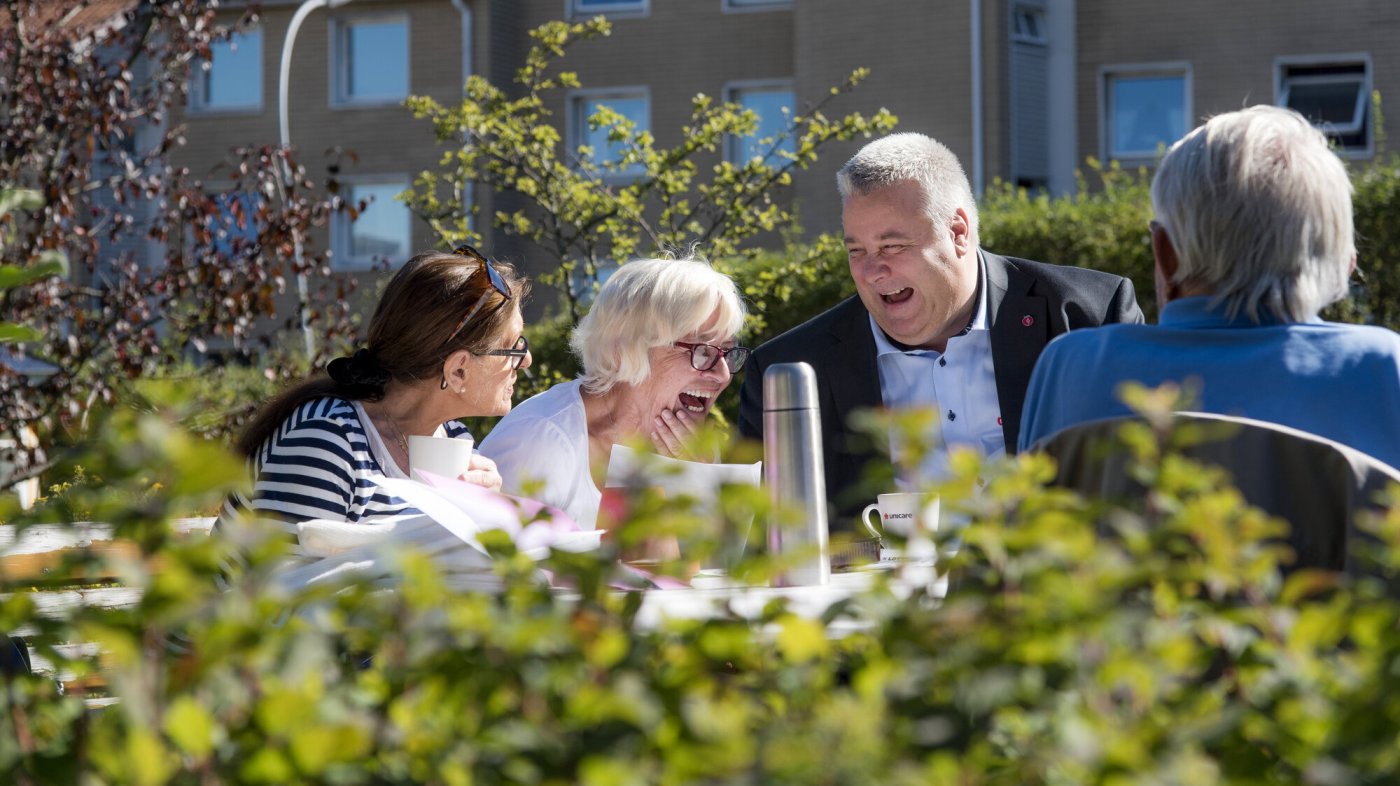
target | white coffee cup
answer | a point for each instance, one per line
(914, 517)
(440, 455)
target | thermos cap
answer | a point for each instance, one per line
(789, 386)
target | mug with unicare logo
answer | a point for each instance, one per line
(911, 517)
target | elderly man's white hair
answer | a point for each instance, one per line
(1258, 208)
(651, 303)
(910, 156)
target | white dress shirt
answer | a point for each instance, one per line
(959, 384)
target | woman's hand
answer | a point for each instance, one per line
(672, 430)
(482, 472)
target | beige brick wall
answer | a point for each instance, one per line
(1231, 46)
(378, 140)
(918, 55)
(918, 52)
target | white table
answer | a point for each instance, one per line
(811, 601)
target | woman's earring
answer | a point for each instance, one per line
(443, 386)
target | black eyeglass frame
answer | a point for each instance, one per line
(722, 353)
(516, 353)
(493, 276)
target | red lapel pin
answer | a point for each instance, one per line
(1027, 320)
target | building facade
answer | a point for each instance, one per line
(1021, 90)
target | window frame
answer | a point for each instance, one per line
(339, 26)
(1363, 121)
(197, 102)
(1036, 10)
(1107, 73)
(624, 9)
(754, 6)
(342, 228)
(732, 91)
(576, 123)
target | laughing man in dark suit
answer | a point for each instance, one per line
(938, 322)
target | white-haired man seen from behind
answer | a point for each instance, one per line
(1252, 238)
(937, 323)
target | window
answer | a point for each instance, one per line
(1144, 109)
(381, 233)
(370, 60)
(773, 103)
(755, 5)
(1030, 85)
(631, 103)
(1334, 94)
(231, 80)
(1028, 24)
(235, 227)
(579, 8)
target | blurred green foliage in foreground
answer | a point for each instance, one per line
(1079, 644)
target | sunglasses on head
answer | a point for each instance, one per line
(492, 275)
(703, 357)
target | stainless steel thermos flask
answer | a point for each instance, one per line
(792, 470)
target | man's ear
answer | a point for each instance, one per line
(960, 228)
(1163, 252)
(1164, 255)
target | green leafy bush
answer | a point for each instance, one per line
(218, 401)
(1170, 652)
(1102, 226)
(1376, 292)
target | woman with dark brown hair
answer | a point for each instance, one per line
(444, 343)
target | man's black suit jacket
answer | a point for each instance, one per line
(1029, 304)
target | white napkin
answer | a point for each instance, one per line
(328, 537)
(454, 513)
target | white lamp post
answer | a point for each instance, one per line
(284, 127)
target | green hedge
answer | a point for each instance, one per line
(1171, 652)
(1376, 292)
(1103, 226)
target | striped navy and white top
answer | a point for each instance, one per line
(325, 462)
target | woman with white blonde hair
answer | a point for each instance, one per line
(657, 349)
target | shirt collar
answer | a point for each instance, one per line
(1206, 311)
(883, 345)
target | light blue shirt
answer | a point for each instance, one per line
(959, 384)
(1337, 381)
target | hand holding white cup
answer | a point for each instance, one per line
(452, 458)
(914, 517)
